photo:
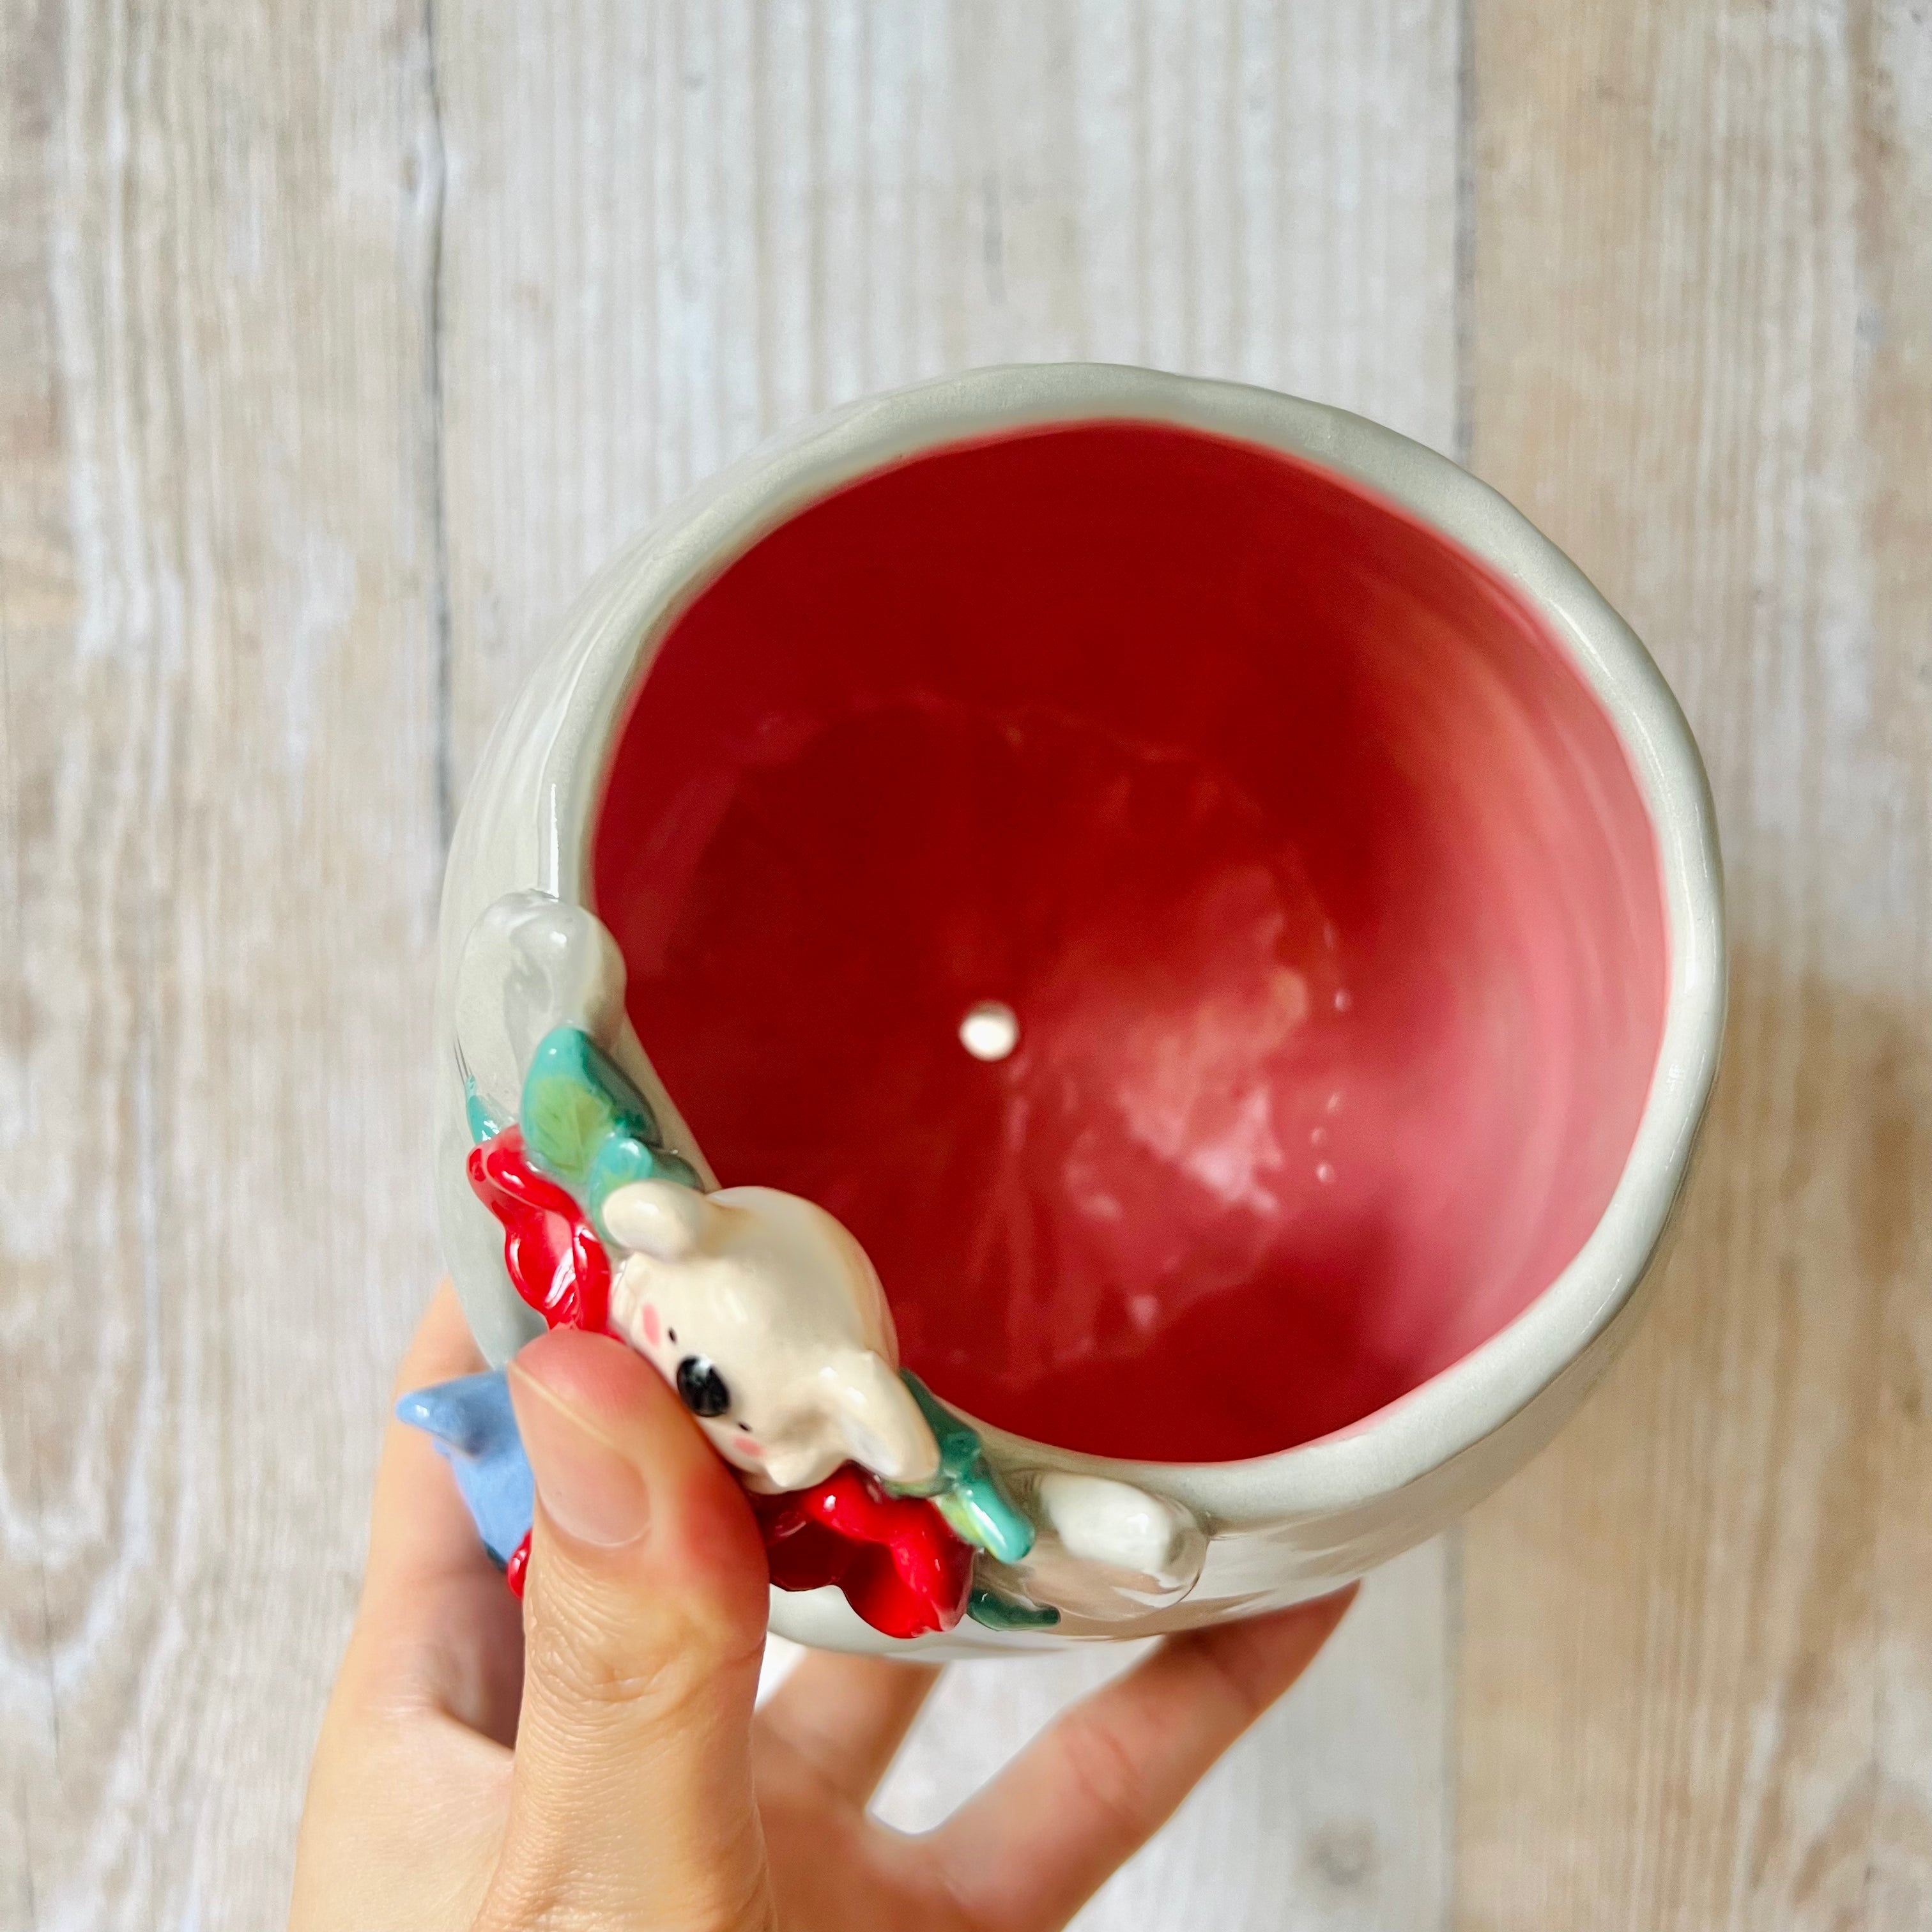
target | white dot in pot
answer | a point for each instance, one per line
(990, 1031)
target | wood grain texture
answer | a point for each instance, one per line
(672, 229)
(221, 864)
(1696, 1678)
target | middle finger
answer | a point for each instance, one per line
(844, 1718)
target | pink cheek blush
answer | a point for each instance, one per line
(1189, 919)
(648, 1322)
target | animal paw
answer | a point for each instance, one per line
(1107, 1551)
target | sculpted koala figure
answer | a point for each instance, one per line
(758, 1307)
(766, 1316)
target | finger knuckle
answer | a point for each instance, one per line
(601, 1662)
(1244, 1670)
(629, 1653)
(1105, 1774)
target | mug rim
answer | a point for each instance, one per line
(619, 624)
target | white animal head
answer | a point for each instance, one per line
(765, 1315)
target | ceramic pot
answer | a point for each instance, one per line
(1215, 903)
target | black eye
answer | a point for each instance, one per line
(701, 1387)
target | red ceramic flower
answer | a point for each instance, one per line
(555, 1260)
(900, 1566)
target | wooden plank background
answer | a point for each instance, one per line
(338, 345)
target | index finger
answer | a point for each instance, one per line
(1048, 1832)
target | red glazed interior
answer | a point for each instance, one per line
(1319, 882)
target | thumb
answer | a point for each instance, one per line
(643, 1622)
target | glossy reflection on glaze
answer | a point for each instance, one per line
(1317, 884)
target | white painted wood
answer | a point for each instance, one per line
(221, 860)
(672, 230)
(1696, 1685)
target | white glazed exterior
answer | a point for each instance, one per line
(1280, 1527)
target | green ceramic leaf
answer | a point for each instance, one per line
(483, 1125)
(622, 1159)
(966, 1491)
(979, 1512)
(1002, 1613)
(575, 1099)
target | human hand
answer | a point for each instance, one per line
(644, 1791)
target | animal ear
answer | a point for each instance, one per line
(878, 1420)
(658, 1218)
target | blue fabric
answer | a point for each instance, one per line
(475, 1429)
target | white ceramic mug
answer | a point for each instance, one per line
(1526, 997)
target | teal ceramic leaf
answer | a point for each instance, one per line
(576, 1099)
(966, 1491)
(1002, 1613)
